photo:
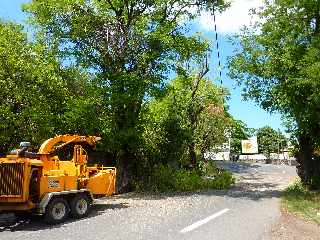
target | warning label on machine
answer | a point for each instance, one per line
(53, 183)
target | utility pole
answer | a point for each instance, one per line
(279, 143)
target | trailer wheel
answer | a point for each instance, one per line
(56, 211)
(80, 206)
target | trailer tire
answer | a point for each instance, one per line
(56, 211)
(80, 206)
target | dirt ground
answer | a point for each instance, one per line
(291, 227)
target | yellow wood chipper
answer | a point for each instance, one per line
(45, 184)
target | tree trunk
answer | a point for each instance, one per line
(126, 119)
(126, 172)
(309, 165)
(192, 154)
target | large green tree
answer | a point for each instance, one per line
(187, 121)
(270, 141)
(278, 63)
(130, 47)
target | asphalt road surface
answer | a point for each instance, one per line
(246, 212)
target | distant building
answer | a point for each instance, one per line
(222, 153)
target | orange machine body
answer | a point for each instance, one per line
(25, 181)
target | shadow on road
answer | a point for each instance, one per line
(252, 191)
(255, 182)
(238, 167)
(36, 223)
(256, 192)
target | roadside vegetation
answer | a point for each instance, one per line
(206, 176)
(128, 71)
(299, 200)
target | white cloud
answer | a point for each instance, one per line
(231, 20)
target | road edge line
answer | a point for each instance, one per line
(204, 221)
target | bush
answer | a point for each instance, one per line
(208, 168)
(167, 179)
(222, 180)
(187, 181)
(162, 179)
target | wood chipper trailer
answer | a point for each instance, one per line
(44, 184)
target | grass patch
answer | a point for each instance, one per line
(300, 201)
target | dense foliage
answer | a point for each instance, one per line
(186, 122)
(36, 91)
(278, 63)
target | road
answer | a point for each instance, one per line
(245, 212)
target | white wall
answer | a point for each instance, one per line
(281, 156)
(217, 156)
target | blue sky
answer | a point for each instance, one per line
(228, 23)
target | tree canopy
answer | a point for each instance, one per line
(34, 88)
(270, 141)
(129, 46)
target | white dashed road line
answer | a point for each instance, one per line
(204, 221)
